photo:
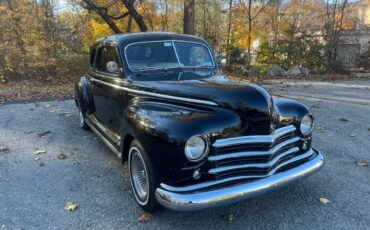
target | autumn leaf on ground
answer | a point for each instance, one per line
(362, 163)
(70, 206)
(4, 149)
(343, 119)
(229, 217)
(319, 128)
(61, 156)
(40, 151)
(42, 134)
(66, 114)
(144, 218)
(41, 164)
(36, 158)
(324, 201)
(352, 135)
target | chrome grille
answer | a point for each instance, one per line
(257, 156)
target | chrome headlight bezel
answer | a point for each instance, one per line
(306, 125)
(191, 148)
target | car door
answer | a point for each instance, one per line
(107, 96)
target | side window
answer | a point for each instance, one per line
(92, 57)
(105, 55)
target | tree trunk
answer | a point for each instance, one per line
(129, 4)
(228, 33)
(129, 24)
(249, 31)
(189, 14)
(103, 14)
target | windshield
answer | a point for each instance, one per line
(166, 55)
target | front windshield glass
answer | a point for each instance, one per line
(166, 55)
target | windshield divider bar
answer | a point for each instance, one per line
(177, 56)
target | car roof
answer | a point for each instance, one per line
(127, 38)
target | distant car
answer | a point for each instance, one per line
(193, 138)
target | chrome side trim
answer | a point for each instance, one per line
(254, 153)
(157, 94)
(255, 139)
(265, 165)
(102, 138)
(216, 182)
(193, 201)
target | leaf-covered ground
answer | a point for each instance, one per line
(33, 89)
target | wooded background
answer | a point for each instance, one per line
(45, 39)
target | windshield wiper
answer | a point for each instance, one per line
(201, 66)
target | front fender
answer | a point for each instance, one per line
(164, 127)
(290, 108)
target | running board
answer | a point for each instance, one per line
(101, 137)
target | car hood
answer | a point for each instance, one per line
(251, 102)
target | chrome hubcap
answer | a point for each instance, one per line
(82, 119)
(139, 175)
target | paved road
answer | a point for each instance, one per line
(34, 192)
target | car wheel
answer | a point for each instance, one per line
(143, 182)
(82, 117)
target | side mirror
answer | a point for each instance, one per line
(223, 62)
(112, 67)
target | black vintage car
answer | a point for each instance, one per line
(193, 138)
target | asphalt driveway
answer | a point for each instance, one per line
(35, 187)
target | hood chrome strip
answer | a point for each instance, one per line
(203, 102)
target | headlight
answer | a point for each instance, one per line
(196, 148)
(306, 125)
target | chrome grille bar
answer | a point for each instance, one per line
(221, 181)
(258, 165)
(254, 139)
(254, 153)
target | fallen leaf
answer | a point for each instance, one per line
(70, 206)
(42, 134)
(66, 114)
(352, 135)
(41, 164)
(324, 200)
(4, 149)
(61, 156)
(362, 163)
(144, 218)
(40, 151)
(343, 119)
(316, 106)
(36, 158)
(229, 217)
(84, 137)
(319, 128)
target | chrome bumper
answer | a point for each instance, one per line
(231, 194)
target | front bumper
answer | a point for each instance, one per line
(235, 193)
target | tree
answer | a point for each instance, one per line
(253, 9)
(189, 15)
(335, 13)
(131, 11)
